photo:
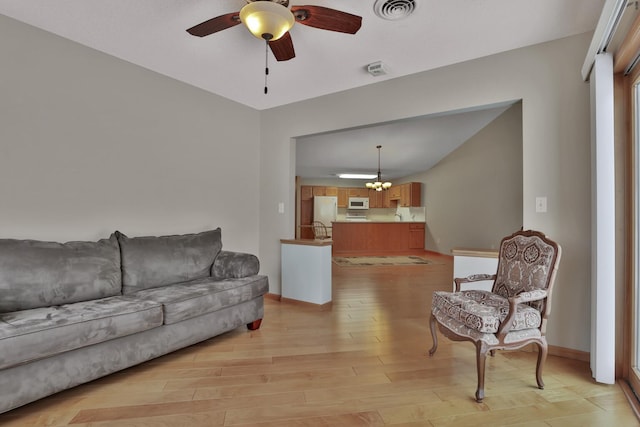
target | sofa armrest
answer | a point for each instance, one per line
(233, 265)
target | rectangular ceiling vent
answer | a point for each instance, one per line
(376, 68)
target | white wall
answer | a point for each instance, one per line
(90, 144)
(555, 109)
(478, 185)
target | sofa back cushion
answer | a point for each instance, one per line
(37, 274)
(150, 262)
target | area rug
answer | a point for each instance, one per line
(381, 260)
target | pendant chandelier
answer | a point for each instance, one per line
(378, 185)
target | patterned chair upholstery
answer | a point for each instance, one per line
(511, 316)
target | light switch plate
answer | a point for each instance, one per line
(541, 204)
(281, 207)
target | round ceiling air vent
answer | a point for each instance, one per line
(393, 10)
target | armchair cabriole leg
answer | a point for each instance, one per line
(481, 357)
(255, 325)
(432, 324)
(542, 357)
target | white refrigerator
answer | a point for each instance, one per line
(325, 210)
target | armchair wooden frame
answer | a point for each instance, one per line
(536, 293)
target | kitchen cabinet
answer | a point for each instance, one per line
(406, 195)
(306, 192)
(378, 199)
(354, 238)
(416, 236)
(358, 192)
(398, 195)
(319, 190)
(306, 217)
(375, 199)
(343, 197)
(395, 192)
(410, 194)
(330, 191)
(386, 203)
(306, 212)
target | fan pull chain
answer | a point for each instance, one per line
(266, 65)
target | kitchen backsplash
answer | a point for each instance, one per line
(417, 214)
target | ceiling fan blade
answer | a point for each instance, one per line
(283, 48)
(327, 19)
(216, 24)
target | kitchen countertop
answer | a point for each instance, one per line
(379, 222)
(475, 252)
(307, 242)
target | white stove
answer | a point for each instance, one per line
(356, 216)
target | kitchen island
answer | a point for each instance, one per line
(376, 237)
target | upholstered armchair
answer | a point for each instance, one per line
(513, 314)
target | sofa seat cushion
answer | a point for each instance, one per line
(191, 299)
(153, 261)
(29, 335)
(483, 311)
(37, 274)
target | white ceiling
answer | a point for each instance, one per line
(151, 33)
(408, 146)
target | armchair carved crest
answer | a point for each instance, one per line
(510, 316)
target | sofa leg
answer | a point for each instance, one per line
(255, 325)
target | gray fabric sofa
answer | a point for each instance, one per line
(73, 312)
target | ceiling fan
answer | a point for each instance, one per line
(271, 20)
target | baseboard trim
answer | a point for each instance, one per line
(271, 296)
(276, 297)
(320, 307)
(569, 353)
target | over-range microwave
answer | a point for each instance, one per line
(358, 203)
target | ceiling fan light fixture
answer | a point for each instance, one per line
(267, 20)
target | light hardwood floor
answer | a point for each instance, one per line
(363, 362)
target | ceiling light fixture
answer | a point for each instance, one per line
(356, 176)
(378, 185)
(267, 20)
